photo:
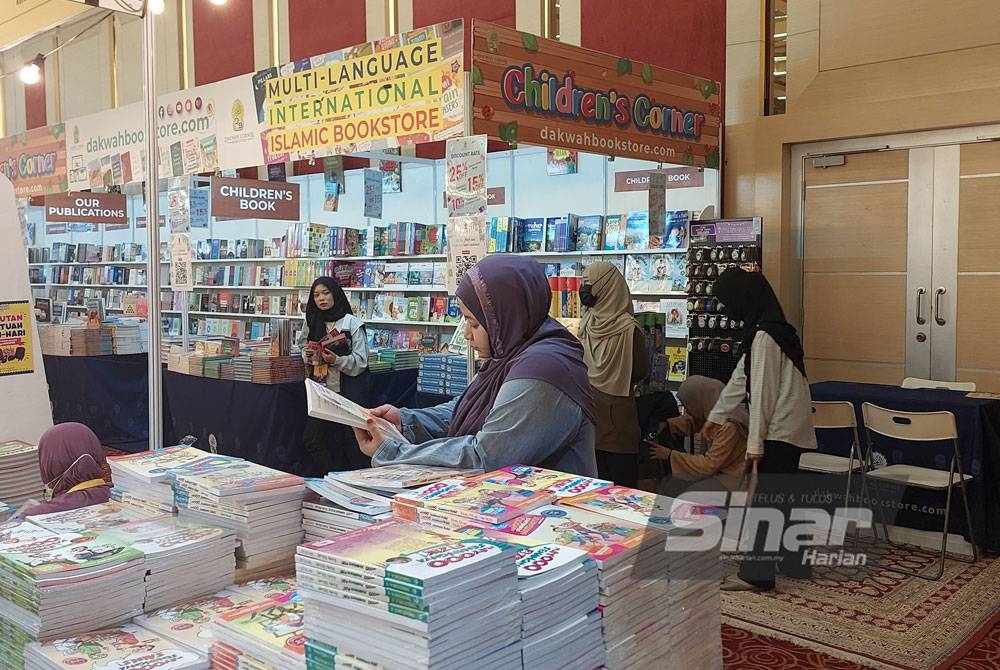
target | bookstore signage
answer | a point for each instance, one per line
(109, 208)
(35, 161)
(252, 199)
(638, 180)
(544, 92)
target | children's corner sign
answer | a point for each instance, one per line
(401, 90)
(35, 161)
(538, 91)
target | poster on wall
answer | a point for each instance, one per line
(16, 355)
(373, 194)
(538, 91)
(561, 161)
(465, 176)
(466, 247)
(398, 91)
(106, 149)
(35, 161)
(207, 128)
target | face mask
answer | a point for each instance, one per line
(49, 490)
(587, 297)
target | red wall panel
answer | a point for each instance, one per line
(314, 28)
(223, 40)
(34, 105)
(427, 12)
(677, 34)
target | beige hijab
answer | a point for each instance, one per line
(699, 394)
(607, 330)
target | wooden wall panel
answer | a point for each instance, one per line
(979, 225)
(855, 318)
(856, 228)
(980, 158)
(977, 319)
(874, 166)
(868, 373)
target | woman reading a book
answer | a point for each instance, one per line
(615, 351)
(771, 377)
(71, 462)
(334, 346)
(530, 403)
(720, 466)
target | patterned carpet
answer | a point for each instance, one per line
(871, 618)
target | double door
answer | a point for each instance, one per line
(900, 252)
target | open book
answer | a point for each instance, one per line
(331, 406)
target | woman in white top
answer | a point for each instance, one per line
(771, 377)
(339, 363)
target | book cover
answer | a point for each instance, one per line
(677, 229)
(637, 230)
(235, 477)
(638, 272)
(641, 507)
(589, 233)
(93, 518)
(676, 321)
(534, 235)
(661, 273)
(614, 237)
(278, 624)
(65, 554)
(190, 623)
(154, 466)
(532, 477)
(398, 477)
(677, 362)
(128, 647)
(278, 587)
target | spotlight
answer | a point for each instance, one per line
(218, 3)
(156, 6)
(31, 73)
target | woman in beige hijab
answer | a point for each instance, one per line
(615, 352)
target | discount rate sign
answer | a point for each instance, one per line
(401, 90)
(465, 188)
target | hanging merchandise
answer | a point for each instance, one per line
(333, 182)
(178, 206)
(392, 173)
(373, 194)
(181, 256)
(466, 237)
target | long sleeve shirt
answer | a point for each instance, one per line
(780, 404)
(531, 422)
(723, 458)
(352, 364)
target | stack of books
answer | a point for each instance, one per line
(262, 636)
(400, 359)
(184, 560)
(63, 584)
(6, 511)
(431, 375)
(189, 623)
(402, 596)
(345, 501)
(264, 369)
(130, 336)
(275, 587)
(691, 603)
(91, 341)
(56, 340)
(548, 574)
(143, 479)
(19, 478)
(125, 647)
(488, 499)
(263, 506)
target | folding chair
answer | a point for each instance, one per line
(921, 427)
(837, 414)
(917, 383)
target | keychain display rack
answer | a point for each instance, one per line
(714, 339)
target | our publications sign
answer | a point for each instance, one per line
(93, 208)
(252, 199)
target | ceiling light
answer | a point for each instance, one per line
(218, 3)
(31, 73)
(156, 6)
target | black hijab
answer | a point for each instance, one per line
(317, 318)
(748, 297)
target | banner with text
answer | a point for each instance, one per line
(16, 354)
(35, 161)
(207, 128)
(253, 199)
(107, 148)
(638, 180)
(373, 194)
(549, 93)
(397, 91)
(90, 208)
(465, 176)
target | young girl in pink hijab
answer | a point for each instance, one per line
(71, 461)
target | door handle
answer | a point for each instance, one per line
(920, 317)
(938, 319)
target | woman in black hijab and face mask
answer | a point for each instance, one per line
(334, 347)
(770, 377)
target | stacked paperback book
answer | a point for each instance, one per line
(91, 341)
(183, 559)
(19, 478)
(444, 374)
(143, 479)
(56, 340)
(401, 596)
(54, 585)
(190, 623)
(130, 336)
(263, 636)
(261, 369)
(128, 647)
(263, 506)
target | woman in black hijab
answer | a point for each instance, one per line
(334, 347)
(770, 377)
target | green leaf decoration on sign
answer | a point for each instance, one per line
(493, 42)
(647, 73)
(529, 41)
(712, 159)
(508, 132)
(64, 184)
(477, 75)
(57, 130)
(688, 158)
(706, 87)
(624, 67)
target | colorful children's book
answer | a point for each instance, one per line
(638, 272)
(677, 361)
(94, 518)
(190, 623)
(614, 232)
(66, 555)
(560, 484)
(534, 235)
(661, 273)
(276, 624)
(268, 588)
(124, 648)
(399, 477)
(234, 477)
(637, 230)
(154, 466)
(588, 233)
